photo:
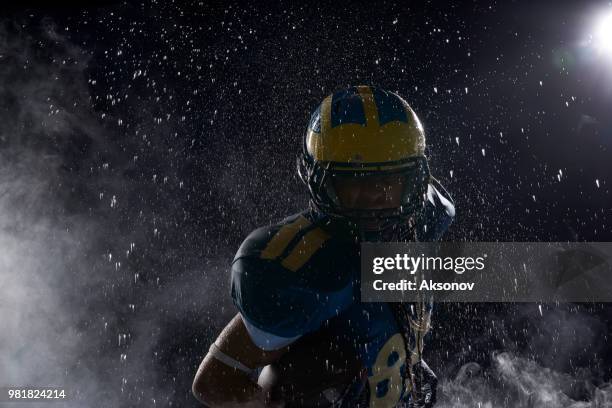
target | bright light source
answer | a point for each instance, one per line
(602, 38)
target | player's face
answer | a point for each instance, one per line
(370, 192)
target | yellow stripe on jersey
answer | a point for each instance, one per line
(305, 249)
(281, 239)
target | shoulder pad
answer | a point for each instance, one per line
(287, 279)
(439, 212)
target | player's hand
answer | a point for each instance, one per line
(426, 384)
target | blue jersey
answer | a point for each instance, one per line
(295, 277)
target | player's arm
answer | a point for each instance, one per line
(225, 376)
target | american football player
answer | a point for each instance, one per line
(302, 337)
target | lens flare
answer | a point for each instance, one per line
(602, 37)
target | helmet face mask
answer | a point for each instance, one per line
(367, 195)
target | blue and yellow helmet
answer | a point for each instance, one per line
(358, 132)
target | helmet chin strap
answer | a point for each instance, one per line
(387, 230)
(372, 229)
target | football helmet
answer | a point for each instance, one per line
(365, 133)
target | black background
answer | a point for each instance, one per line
(190, 115)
